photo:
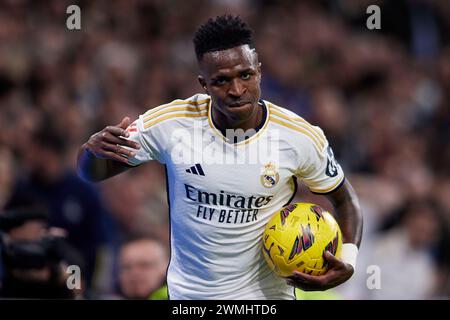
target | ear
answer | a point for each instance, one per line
(202, 82)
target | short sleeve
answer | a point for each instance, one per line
(318, 168)
(147, 138)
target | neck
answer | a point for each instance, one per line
(239, 129)
(222, 122)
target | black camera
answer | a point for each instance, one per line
(35, 254)
(32, 268)
(26, 254)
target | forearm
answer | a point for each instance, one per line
(349, 215)
(93, 169)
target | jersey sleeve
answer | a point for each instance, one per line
(148, 139)
(318, 168)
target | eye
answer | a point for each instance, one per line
(220, 81)
(245, 76)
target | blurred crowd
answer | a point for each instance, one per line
(381, 96)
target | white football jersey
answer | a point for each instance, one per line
(222, 193)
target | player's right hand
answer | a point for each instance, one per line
(110, 142)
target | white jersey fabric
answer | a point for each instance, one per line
(222, 193)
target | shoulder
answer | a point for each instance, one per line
(190, 108)
(296, 126)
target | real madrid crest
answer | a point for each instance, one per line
(270, 176)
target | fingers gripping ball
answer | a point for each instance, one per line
(296, 237)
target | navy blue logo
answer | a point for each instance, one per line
(332, 166)
(196, 169)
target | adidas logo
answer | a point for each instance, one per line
(197, 169)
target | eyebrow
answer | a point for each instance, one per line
(220, 74)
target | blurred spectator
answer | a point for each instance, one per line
(406, 252)
(142, 269)
(34, 258)
(407, 255)
(73, 205)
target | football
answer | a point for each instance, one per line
(296, 237)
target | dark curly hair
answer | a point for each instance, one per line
(223, 32)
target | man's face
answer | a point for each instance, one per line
(232, 78)
(142, 268)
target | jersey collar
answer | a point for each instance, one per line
(259, 129)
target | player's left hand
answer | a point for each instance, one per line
(338, 273)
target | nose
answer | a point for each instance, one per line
(237, 88)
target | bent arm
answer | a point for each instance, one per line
(104, 155)
(93, 169)
(349, 215)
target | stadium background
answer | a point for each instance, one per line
(381, 96)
